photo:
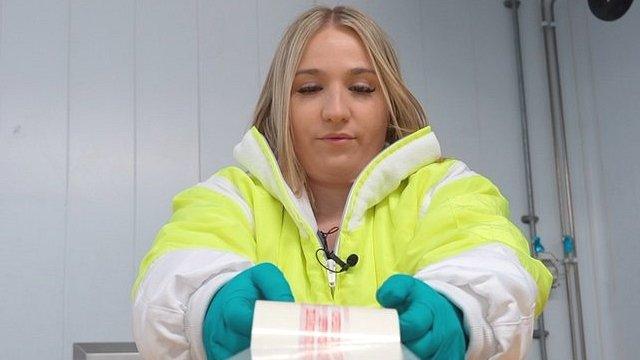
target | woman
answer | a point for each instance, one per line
(341, 197)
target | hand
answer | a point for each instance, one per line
(430, 326)
(227, 323)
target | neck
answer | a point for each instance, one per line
(330, 200)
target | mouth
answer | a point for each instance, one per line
(337, 138)
(337, 141)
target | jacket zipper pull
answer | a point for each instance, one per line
(332, 275)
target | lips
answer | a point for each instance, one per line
(338, 137)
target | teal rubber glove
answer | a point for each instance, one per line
(226, 329)
(430, 325)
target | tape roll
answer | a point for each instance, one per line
(299, 331)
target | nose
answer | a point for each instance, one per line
(336, 107)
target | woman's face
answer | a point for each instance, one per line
(338, 114)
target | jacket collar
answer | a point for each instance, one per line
(379, 178)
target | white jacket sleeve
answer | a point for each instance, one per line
(172, 300)
(495, 293)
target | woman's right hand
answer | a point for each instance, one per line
(227, 323)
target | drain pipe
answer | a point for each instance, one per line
(563, 181)
(531, 219)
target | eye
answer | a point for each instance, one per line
(362, 89)
(309, 89)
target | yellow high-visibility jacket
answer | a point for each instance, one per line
(409, 211)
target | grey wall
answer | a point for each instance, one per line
(109, 108)
(603, 88)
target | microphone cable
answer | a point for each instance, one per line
(352, 259)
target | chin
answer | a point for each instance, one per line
(347, 171)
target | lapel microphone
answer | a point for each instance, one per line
(352, 259)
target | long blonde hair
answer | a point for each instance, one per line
(271, 115)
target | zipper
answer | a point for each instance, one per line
(344, 214)
(329, 263)
(332, 276)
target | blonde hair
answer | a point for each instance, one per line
(271, 115)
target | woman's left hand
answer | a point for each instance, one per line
(430, 325)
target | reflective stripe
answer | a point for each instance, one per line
(172, 300)
(458, 170)
(223, 186)
(495, 293)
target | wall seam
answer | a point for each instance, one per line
(425, 78)
(476, 106)
(258, 44)
(604, 227)
(135, 136)
(1, 33)
(199, 90)
(65, 311)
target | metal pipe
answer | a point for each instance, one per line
(572, 280)
(531, 217)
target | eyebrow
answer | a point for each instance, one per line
(354, 71)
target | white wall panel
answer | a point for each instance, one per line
(229, 79)
(99, 254)
(273, 17)
(603, 140)
(449, 62)
(167, 149)
(589, 207)
(33, 178)
(615, 58)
